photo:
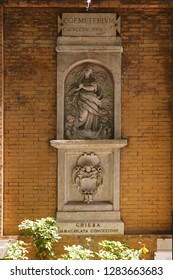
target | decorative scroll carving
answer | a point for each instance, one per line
(87, 175)
(88, 103)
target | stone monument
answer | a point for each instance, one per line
(89, 124)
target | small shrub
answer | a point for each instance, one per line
(78, 252)
(44, 233)
(115, 250)
(111, 250)
(16, 251)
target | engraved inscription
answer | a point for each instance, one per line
(88, 24)
(91, 228)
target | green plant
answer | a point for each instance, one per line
(16, 251)
(115, 250)
(44, 233)
(78, 252)
(111, 250)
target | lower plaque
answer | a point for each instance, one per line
(91, 228)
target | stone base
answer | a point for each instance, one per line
(90, 223)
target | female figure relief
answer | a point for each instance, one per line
(88, 103)
(85, 99)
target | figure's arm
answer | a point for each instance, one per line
(92, 87)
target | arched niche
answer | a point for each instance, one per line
(88, 102)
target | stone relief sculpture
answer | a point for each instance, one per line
(87, 175)
(88, 103)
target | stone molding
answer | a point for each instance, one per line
(112, 143)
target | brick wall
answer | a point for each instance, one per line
(1, 121)
(146, 119)
(82, 3)
(30, 117)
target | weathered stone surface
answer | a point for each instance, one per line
(164, 244)
(89, 124)
(88, 24)
(91, 228)
(107, 196)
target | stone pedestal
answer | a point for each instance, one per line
(89, 124)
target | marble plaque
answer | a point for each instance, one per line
(88, 24)
(91, 228)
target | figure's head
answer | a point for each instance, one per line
(88, 72)
(70, 118)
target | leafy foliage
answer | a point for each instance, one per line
(77, 252)
(44, 233)
(111, 250)
(16, 251)
(115, 250)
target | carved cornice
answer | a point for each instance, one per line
(112, 143)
